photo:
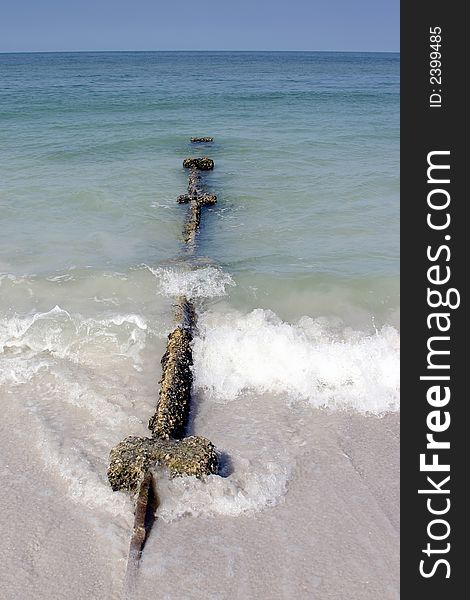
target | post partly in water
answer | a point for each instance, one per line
(132, 459)
(196, 140)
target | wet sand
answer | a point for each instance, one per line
(334, 535)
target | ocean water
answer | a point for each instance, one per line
(295, 276)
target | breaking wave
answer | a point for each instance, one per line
(312, 360)
(207, 282)
(252, 488)
(74, 337)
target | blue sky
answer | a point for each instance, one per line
(55, 25)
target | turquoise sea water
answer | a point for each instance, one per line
(306, 153)
(296, 270)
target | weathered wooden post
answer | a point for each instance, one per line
(196, 140)
(132, 459)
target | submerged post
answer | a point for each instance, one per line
(198, 140)
(132, 459)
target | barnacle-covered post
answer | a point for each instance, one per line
(132, 459)
(196, 196)
(199, 140)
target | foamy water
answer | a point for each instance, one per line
(310, 360)
(101, 373)
(208, 282)
(295, 280)
(73, 371)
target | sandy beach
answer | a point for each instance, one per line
(334, 535)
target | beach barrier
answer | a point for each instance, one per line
(196, 140)
(132, 459)
(196, 196)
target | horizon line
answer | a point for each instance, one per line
(213, 50)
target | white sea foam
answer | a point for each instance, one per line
(74, 376)
(74, 337)
(311, 360)
(12, 278)
(251, 488)
(207, 282)
(75, 466)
